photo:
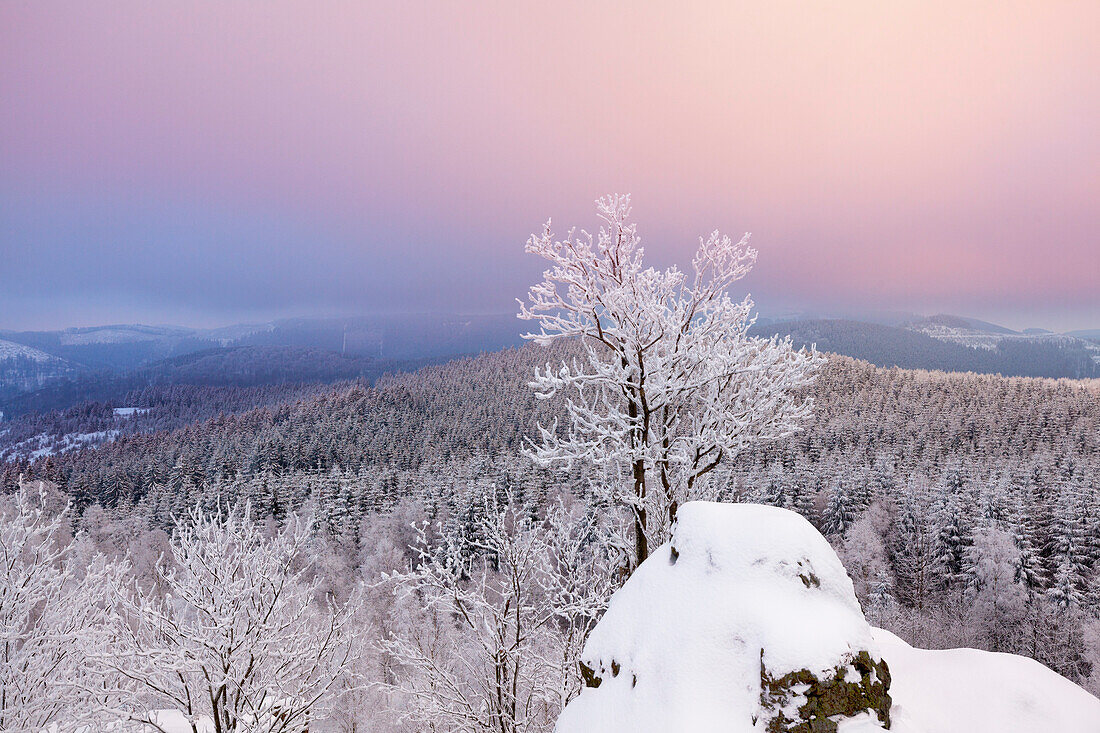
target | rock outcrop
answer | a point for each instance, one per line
(745, 622)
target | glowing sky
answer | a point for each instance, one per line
(204, 163)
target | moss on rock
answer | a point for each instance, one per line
(849, 689)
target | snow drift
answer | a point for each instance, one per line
(745, 621)
(971, 691)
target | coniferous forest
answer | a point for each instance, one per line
(964, 476)
(382, 367)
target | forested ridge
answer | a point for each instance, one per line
(233, 367)
(909, 349)
(915, 476)
(923, 422)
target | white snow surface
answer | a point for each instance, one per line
(130, 411)
(687, 636)
(12, 350)
(688, 628)
(972, 691)
(173, 721)
(977, 339)
(110, 335)
(44, 444)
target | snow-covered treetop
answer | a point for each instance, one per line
(671, 384)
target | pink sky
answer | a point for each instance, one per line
(921, 156)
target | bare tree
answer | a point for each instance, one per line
(53, 617)
(494, 635)
(670, 384)
(237, 636)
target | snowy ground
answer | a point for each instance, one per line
(12, 350)
(681, 647)
(971, 691)
(43, 444)
(744, 588)
(111, 335)
(976, 339)
(130, 411)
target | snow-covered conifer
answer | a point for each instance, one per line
(839, 511)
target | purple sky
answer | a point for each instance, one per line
(211, 162)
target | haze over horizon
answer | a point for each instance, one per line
(213, 324)
(206, 163)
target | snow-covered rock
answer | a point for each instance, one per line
(745, 622)
(971, 691)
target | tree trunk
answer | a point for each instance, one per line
(641, 542)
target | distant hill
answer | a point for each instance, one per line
(12, 350)
(241, 367)
(24, 368)
(890, 346)
(111, 347)
(977, 334)
(404, 336)
(958, 322)
(401, 336)
(55, 356)
(46, 370)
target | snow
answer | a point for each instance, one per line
(977, 339)
(116, 335)
(972, 691)
(12, 350)
(687, 632)
(681, 644)
(228, 335)
(130, 411)
(44, 444)
(167, 721)
(966, 336)
(173, 721)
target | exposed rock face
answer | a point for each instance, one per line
(746, 622)
(820, 701)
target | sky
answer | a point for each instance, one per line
(205, 163)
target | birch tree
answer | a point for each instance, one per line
(235, 634)
(670, 384)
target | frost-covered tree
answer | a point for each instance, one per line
(998, 602)
(1063, 591)
(495, 633)
(952, 540)
(881, 599)
(670, 384)
(839, 511)
(912, 549)
(1029, 571)
(53, 619)
(235, 633)
(864, 555)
